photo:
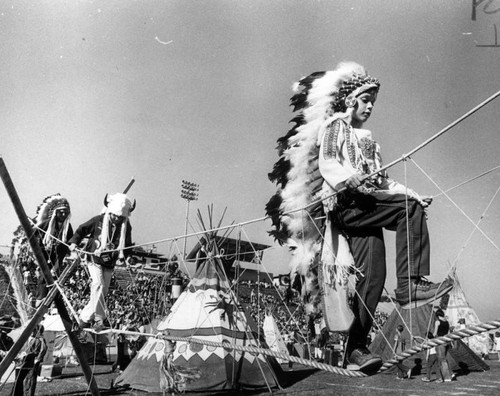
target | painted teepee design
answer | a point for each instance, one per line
(207, 310)
(460, 315)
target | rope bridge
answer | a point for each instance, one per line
(427, 344)
(469, 331)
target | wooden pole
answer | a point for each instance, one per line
(37, 317)
(129, 185)
(45, 270)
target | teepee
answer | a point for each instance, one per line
(209, 311)
(273, 336)
(460, 315)
(420, 321)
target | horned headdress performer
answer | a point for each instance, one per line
(109, 235)
(332, 205)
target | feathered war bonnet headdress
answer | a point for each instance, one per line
(316, 98)
(47, 211)
(119, 205)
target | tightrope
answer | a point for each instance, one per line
(242, 348)
(469, 331)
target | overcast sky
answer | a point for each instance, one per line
(95, 92)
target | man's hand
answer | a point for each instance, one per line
(72, 250)
(353, 182)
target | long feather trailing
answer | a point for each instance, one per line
(297, 176)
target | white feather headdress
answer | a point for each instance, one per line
(47, 211)
(316, 97)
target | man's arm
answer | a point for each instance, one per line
(84, 230)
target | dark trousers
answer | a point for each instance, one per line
(362, 218)
(433, 365)
(122, 359)
(26, 376)
(442, 351)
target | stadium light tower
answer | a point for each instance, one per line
(189, 192)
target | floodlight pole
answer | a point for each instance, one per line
(189, 192)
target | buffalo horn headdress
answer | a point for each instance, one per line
(120, 205)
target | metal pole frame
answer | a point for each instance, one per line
(189, 192)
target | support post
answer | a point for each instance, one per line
(40, 258)
(35, 319)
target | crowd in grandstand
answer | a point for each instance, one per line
(134, 295)
(136, 298)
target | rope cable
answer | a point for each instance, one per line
(438, 134)
(471, 330)
(409, 248)
(474, 228)
(458, 207)
(467, 181)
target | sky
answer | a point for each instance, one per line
(94, 93)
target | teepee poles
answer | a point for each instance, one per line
(37, 251)
(36, 318)
(129, 185)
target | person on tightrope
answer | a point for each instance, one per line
(109, 235)
(365, 203)
(54, 229)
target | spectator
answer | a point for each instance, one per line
(29, 369)
(442, 328)
(399, 347)
(432, 365)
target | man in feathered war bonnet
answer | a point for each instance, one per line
(328, 156)
(109, 235)
(54, 230)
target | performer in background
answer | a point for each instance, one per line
(54, 230)
(109, 234)
(5, 343)
(399, 347)
(442, 328)
(432, 364)
(29, 369)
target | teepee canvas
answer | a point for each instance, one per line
(421, 321)
(273, 336)
(207, 310)
(460, 315)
